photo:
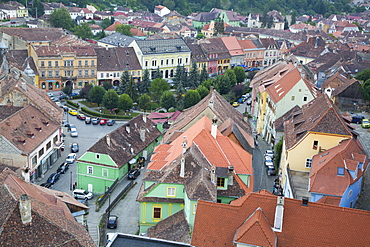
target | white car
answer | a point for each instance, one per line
(74, 132)
(71, 158)
(269, 163)
(50, 94)
(269, 153)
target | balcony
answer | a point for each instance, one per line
(69, 78)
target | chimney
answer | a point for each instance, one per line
(9, 103)
(184, 145)
(182, 167)
(128, 128)
(231, 175)
(108, 140)
(106, 47)
(279, 213)
(25, 102)
(213, 175)
(316, 42)
(142, 134)
(144, 118)
(25, 209)
(305, 201)
(24, 86)
(214, 127)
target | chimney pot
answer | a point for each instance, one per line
(25, 209)
(214, 127)
(305, 201)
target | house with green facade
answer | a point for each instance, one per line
(229, 17)
(114, 155)
(200, 164)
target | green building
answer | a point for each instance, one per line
(114, 155)
(229, 17)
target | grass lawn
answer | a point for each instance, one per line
(105, 111)
(88, 104)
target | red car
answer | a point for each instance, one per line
(103, 121)
(81, 116)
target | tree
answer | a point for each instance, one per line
(85, 90)
(96, 94)
(61, 18)
(193, 76)
(157, 74)
(203, 91)
(110, 99)
(167, 100)
(238, 90)
(145, 83)
(200, 36)
(203, 74)
(100, 35)
(180, 90)
(169, 4)
(131, 89)
(125, 102)
(107, 85)
(83, 31)
(222, 84)
(125, 77)
(179, 77)
(232, 77)
(219, 26)
(105, 23)
(191, 98)
(363, 75)
(124, 29)
(144, 102)
(239, 74)
(365, 89)
(286, 24)
(157, 88)
(37, 9)
(67, 90)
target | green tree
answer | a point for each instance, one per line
(157, 74)
(131, 89)
(105, 23)
(61, 18)
(144, 102)
(219, 26)
(363, 75)
(125, 77)
(67, 90)
(37, 9)
(203, 75)
(96, 94)
(169, 4)
(232, 77)
(83, 31)
(179, 75)
(85, 90)
(286, 24)
(222, 84)
(125, 102)
(124, 29)
(203, 91)
(200, 36)
(107, 85)
(180, 90)
(191, 98)
(157, 87)
(365, 89)
(239, 74)
(145, 83)
(110, 99)
(167, 100)
(208, 83)
(100, 35)
(194, 76)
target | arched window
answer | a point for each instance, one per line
(43, 85)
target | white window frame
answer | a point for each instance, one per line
(308, 163)
(90, 170)
(171, 191)
(104, 172)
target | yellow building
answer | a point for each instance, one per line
(165, 54)
(60, 66)
(314, 128)
(261, 112)
(22, 11)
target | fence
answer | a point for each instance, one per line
(101, 200)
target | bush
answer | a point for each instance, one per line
(97, 114)
(71, 103)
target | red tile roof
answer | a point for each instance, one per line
(313, 225)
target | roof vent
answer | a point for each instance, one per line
(178, 47)
(44, 121)
(153, 49)
(305, 201)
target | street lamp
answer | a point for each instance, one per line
(109, 204)
(71, 183)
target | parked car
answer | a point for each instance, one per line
(88, 120)
(63, 168)
(365, 123)
(357, 119)
(74, 132)
(72, 126)
(53, 178)
(71, 158)
(112, 222)
(81, 116)
(50, 94)
(63, 97)
(235, 104)
(95, 120)
(65, 108)
(103, 121)
(84, 201)
(110, 122)
(82, 194)
(73, 112)
(133, 174)
(47, 185)
(269, 153)
(74, 147)
(269, 163)
(65, 123)
(271, 170)
(241, 100)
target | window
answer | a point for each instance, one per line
(179, 60)
(146, 63)
(57, 73)
(172, 61)
(171, 191)
(186, 60)
(106, 74)
(48, 145)
(105, 172)
(86, 62)
(55, 139)
(92, 72)
(154, 63)
(340, 171)
(80, 72)
(50, 73)
(56, 64)
(315, 145)
(86, 72)
(194, 208)
(41, 152)
(157, 212)
(49, 63)
(299, 90)
(305, 98)
(68, 73)
(349, 194)
(97, 156)
(42, 64)
(166, 61)
(293, 97)
(220, 182)
(34, 160)
(138, 73)
(101, 75)
(43, 73)
(92, 62)
(162, 62)
(89, 170)
(308, 163)
(79, 63)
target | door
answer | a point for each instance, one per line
(90, 187)
(145, 154)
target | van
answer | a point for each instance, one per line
(82, 194)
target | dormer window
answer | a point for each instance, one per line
(340, 171)
(315, 145)
(220, 182)
(97, 156)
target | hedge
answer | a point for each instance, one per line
(75, 105)
(97, 114)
